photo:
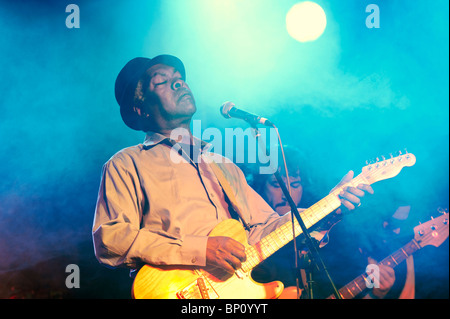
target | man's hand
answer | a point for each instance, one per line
(386, 280)
(225, 253)
(351, 196)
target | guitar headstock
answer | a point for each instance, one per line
(387, 168)
(433, 232)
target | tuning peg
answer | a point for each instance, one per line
(392, 158)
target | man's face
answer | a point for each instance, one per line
(169, 94)
(274, 196)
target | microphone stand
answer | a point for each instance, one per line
(315, 258)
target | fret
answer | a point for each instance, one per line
(313, 219)
(357, 286)
(366, 280)
(306, 220)
(264, 245)
(250, 261)
(279, 238)
(354, 288)
(256, 258)
(398, 257)
(253, 259)
(316, 209)
(327, 205)
(404, 252)
(267, 248)
(257, 251)
(273, 242)
(286, 233)
(345, 295)
(297, 229)
(401, 254)
(388, 262)
(416, 244)
(361, 282)
(358, 180)
(350, 292)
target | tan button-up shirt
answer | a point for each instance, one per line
(156, 206)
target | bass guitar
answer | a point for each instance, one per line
(433, 232)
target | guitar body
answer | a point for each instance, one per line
(185, 282)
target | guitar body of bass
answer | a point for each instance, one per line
(185, 282)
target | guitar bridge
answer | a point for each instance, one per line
(198, 289)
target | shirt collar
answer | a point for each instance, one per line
(153, 138)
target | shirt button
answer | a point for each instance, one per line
(194, 260)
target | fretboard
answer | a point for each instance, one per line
(358, 285)
(284, 234)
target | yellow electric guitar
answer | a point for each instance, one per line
(187, 282)
(433, 232)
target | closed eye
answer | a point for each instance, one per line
(296, 184)
(274, 184)
(160, 83)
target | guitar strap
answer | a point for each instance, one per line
(233, 206)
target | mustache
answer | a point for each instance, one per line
(183, 92)
(282, 204)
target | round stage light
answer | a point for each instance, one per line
(306, 21)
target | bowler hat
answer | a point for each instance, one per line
(128, 79)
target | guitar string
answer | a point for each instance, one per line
(309, 214)
(266, 242)
(313, 212)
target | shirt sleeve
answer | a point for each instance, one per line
(264, 219)
(119, 240)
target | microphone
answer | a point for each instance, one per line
(229, 110)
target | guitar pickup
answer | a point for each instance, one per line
(198, 289)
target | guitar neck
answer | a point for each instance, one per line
(284, 234)
(358, 285)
